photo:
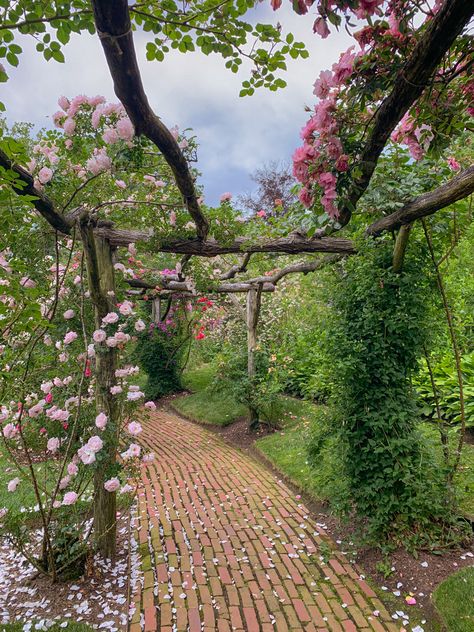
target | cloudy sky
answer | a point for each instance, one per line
(236, 135)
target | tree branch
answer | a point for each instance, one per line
(113, 25)
(456, 189)
(409, 84)
(42, 203)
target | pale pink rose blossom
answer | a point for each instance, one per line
(70, 337)
(110, 318)
(53, 444)
(112, 485)
(63, 103)
(125, 129)
(13, 484)
(99, 335)
(70, 498)
(72, 469)
(68, 314)
(134, 428)
(140, 325)
(226, 197)
(64, 482)
(95, 443)
(150, 405)
(115, 390)
(27, 282)
(45, 174)
(134, 395)
(69, 126)
(101, 421)
(126, 308)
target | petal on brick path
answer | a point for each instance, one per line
(226, 546)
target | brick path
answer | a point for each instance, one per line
(225, 546)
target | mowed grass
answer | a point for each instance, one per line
(286, 448)
(24, 496)
(454, 600)
(205, 405)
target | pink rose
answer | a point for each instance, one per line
(99, 335)
(126, 308)
(140, 325)
(112, 484)
(150, 405)
(72, 469)
(68, 314)
(95, 444)
(69, 126)
(45, 174)
(110, 318)
(27, 282)
(10, 431)
(134, 428)
(101, 421)
(320, 27)
(53, 444)
(226, 197)
(70, 498)
(70, 337)
(13, 484)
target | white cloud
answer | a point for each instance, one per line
(235, 135)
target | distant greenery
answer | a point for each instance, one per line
(454, 601)
(206, 405)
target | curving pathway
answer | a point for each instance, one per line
(225, 546)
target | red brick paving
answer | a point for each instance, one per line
(226, 547)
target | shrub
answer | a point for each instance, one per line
(159, 353)
(380, 326)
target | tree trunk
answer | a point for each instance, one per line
(253, 310)
(98, 255)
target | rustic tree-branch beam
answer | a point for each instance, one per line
(114, 28)
(460, 187)
(182, 286)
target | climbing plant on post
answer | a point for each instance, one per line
(100, 272)
(254, 300)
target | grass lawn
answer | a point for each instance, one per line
(454, 600)
(203, 404)
(24, 495)
(286, 448)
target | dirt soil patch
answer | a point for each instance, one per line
(100, 598)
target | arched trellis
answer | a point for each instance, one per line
(249, 312)
(112, 21)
